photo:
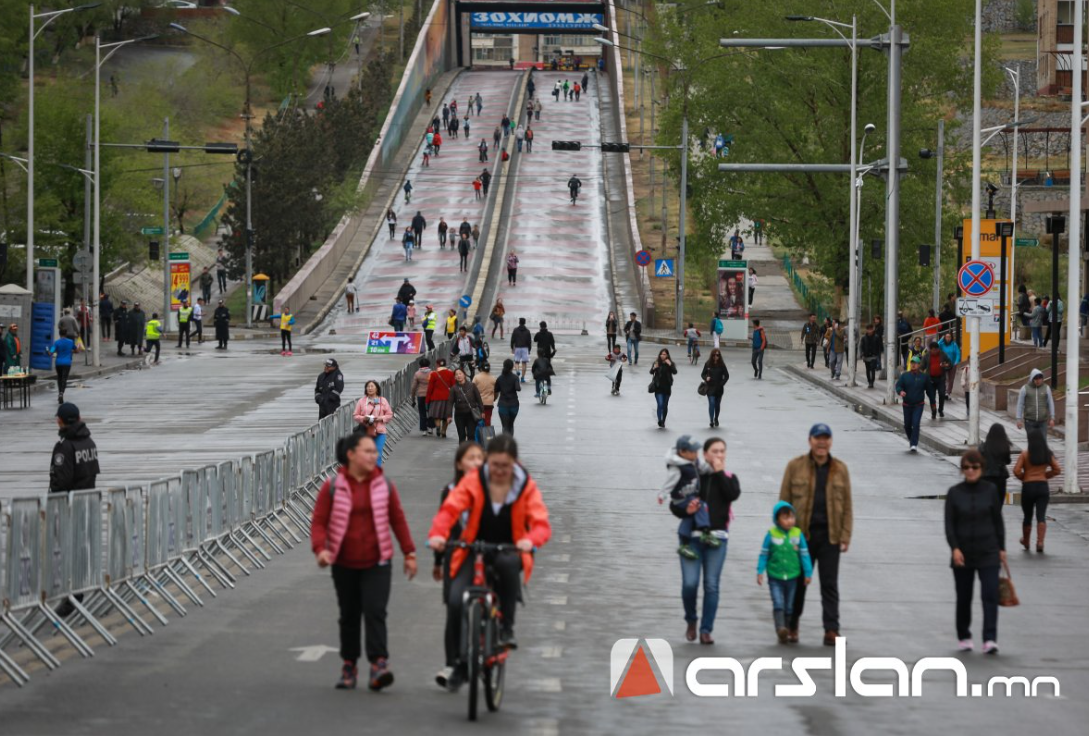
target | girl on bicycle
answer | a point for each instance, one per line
(357, 514)
(501, 505)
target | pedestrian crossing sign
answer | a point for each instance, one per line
(663, 268)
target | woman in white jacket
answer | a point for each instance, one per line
(371, 415)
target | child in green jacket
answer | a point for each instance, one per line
(785, 557)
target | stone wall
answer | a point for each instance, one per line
(1000, 16)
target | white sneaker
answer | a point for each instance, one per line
(965, 645)
(990, 647)
(914, 448)
(442, 677)
(424, 433)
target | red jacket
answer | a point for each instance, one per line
(359, 550)
(528, 516)
(439, 384)
(934, 365)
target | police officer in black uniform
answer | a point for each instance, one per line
(74, 466)
(328, 389)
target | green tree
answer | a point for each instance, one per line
(793, 106)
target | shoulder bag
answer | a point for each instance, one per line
(1007, 594)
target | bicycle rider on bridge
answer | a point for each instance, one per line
(574, 184)
(503, 506)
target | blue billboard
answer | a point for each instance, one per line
(517, 20)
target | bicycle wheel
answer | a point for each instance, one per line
(493, 675)
(476, 655)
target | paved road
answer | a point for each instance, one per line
(562, 249)
(442, 190)
(611, 572)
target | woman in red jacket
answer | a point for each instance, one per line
(501, 505)
(439, 406)
(356, 515)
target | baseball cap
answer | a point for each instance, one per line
(331, 362)
(820, 430)
(916, 359)
(685, 443)
(68, 412)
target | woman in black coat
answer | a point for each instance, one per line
(715, 375)
(996, 459)
(977, 538)
(661, 385)
(467, 406)
(222, 320)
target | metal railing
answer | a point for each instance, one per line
(802, 289)
(144, 551)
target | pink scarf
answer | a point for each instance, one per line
(341, 513)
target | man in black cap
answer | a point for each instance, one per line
(406, 293)
(75, 456)
(328, 389)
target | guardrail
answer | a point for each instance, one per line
(119, 550)
(799, 285)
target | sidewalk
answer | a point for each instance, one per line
(946, 436)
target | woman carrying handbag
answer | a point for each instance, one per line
(977, 538)
(372, 412)
(468, 406)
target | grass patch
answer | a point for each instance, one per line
(1017, 46)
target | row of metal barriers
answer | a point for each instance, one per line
(125, 551)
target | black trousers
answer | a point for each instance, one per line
(419, 238)
(871, 371)
(153, 344)
(62, 377)
(107, 327)
(183, 333)
(610, 340)
(810, 354)
(221, 277)
(466, 426)
(1034, 497)
(429, 336)
(285, 340)
(507, 567)
(938, 387)
(464, 262)
(326, 408)
(964, 579)
(198, 325)
(362, 596)
(825, 556)
(512, 275)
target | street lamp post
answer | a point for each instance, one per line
(48, 17)
(247, 68)
(1074, 264)
(852, 268)
(977, 162)
(856, 247)
(1015, 75)
(938, 154)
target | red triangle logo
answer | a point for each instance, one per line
(640, 679)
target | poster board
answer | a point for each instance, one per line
(733, 299)
(990, 251)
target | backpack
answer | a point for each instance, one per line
(717, 326)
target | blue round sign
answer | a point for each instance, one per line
(465, 301)
(976, 278)
(643, 258)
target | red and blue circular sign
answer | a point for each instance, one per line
(976, 278)
(643, 258)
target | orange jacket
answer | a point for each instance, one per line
(528, 515)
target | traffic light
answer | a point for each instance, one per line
(616, 147)
(566, 145)
(157, 146)
(153, 250)
(244, 156)
(228, 148)
(924, 255)
(877, 249)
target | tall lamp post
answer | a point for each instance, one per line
(852, 270)
(1015, 77)
(1074, 263)
(47, 17)
(247, 159)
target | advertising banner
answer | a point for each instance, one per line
(179, 284)
(381, 343)
(519, 20)
(732, 299)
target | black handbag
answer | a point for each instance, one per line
(703, 389)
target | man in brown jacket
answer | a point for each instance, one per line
(819, 488)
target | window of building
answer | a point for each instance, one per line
(1065, 13)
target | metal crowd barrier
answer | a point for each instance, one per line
(120, 551)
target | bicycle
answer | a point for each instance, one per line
(465, 363)
(543, 394)
(485, 659)
(694, 357)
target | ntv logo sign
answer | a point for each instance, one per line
(645, 667)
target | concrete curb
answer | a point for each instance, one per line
(49, 382)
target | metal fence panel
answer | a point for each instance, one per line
(158, 523)
(213, 494)
(280, 479)
(174, 533)
(57, 562)
(136, 518)
(23, 568)
(86, 544)
(228, 481)
(246, 496)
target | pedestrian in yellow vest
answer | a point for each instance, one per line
(185, 315)
(287, 319)
(430, 322)
(153, 332)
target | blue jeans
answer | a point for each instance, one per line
(913, 417)
(663, 406)
(710, 561)
(691, 342)
(506, 418)
(1037, 336)
(699, 520)
(633, 346)
(714, 406)
(380, 442)
(837, 364)
(782, 599)
(421, 408)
